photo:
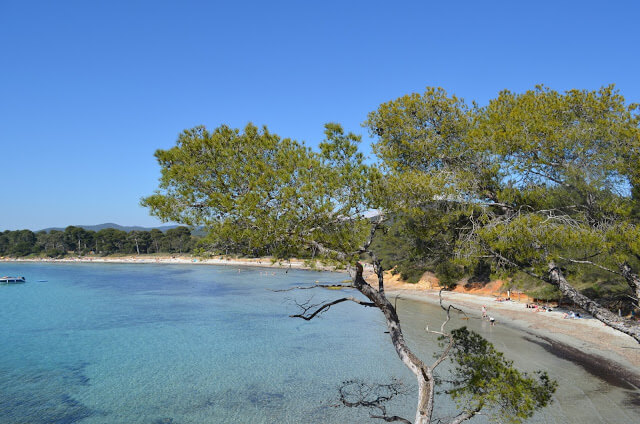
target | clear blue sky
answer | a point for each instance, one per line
(89, 90)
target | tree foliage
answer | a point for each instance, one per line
(259, 193)
(414, 244)
(544, 179)
(107, 241)
(483, 378)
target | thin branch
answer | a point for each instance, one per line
(502, 206)
(465, 416)
(341, 256)
(320, 308)
(510, 262)
(584, 262)
(555, 180)
(356, 393)
(635, 299)
(448, 309)
(443, 356)
(377, 224)
(324, 286)
(377, 267)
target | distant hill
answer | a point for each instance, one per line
(115, 226)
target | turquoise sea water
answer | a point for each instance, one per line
(119, 343)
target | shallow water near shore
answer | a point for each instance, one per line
(145, 343)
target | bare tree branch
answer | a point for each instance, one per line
(445, 353)
(585, 262)
(510, 262)
(356, 393)
(377, 224)
(599, 312)
(315, 286)
(556, 278)
(310, 311)
(633, 280)
(341, 256)
(464, 416)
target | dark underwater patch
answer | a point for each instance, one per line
(605, 369)
(253, 395)
(265, 399)
(42, 396)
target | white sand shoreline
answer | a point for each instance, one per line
(183, 260)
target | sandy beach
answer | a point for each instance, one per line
(586, 340)
(179, 259)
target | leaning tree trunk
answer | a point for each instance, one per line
(598, 311)
(422, 372)
(633, 280)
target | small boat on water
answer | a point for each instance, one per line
(12, 280)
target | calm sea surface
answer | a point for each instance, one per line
(112, 343)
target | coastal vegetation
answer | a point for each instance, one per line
(540, 183)
(108, 241)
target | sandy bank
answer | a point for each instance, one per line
(228, 261)
(586, 341)
(573, 337)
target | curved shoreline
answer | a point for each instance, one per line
(606, 353)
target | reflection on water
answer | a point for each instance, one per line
(105, 343)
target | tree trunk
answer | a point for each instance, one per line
(422, 372)
(633, 280)
(598, 311)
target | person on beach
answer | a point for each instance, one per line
(492, 320)
(484, 311)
